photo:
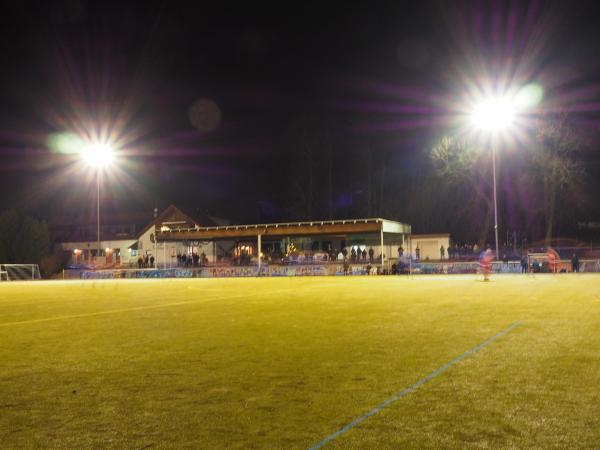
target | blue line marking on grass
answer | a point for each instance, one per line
(394, 398)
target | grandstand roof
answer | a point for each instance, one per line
(120, 225)
(315, 227)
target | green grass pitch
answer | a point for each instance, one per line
(284, 363)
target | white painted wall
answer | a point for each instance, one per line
(166, 253)
(87, 246)
(429, 246)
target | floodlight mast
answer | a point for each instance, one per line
(98, 209)
(493, 116)
(98, 156)
(495, 196)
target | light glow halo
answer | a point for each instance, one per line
(97, 154)
(493, 114)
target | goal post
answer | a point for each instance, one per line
(19, 272)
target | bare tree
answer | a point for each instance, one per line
(553, 173)
(556, 163)
(462, 174)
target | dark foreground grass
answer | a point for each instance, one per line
(283, 363)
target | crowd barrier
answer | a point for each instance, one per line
(450, 267)
(226, 272)
(453, 267)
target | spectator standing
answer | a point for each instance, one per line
(575, 263)
(364, 254)
(152, 261)
(371, 252)
(346, 266)
(442, 252)
(524, 264)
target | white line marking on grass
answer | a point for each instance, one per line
(138, 308)
(394, 398)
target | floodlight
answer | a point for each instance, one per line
(493, 114)
(98, 155)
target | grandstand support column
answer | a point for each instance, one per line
(410, 254)
(155, 239)
(258, 251)
(381, 236)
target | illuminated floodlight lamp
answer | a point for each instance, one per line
(98, 155)
(493, 114)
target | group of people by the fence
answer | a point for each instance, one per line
(183, 260)
(354, 255)
(145, 262)
(359, 256)
(191, 260)
(460, 251)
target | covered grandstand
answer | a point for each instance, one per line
(373, 241)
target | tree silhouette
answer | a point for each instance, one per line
(556, 164)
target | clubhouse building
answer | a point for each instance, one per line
(174, 233)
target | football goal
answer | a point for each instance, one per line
(19, 272)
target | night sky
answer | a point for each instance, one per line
(214, 102)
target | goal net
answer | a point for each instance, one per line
(19, 272)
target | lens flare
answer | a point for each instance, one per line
(64, 143)
(529, 96)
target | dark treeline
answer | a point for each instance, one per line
(329, 171)
(23, 239)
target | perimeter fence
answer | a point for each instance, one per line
(424, 268)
